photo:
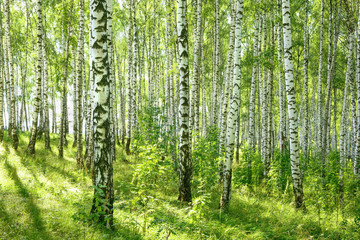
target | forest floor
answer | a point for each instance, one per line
(45, 197)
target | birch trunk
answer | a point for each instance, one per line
(216, 66)
(264, 101)
(122, 103)
(130, 74)
(356, 163)
(282, 103)
(251, 139)
(1, 85)
(46, 97)
(63, 121)
(75, 98)
(185, 164)
(195, 83)
(32, 141)
(229, 65)
(293, 125)
(334, 138)
(54, 128)
(225, 102)
(331, 70)
(79, 81)
(306, 84)
(103, 160)
(319, 87)
(234, 109)
(343, 125)
(14, 135)
(23, 103)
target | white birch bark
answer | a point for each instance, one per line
(319, 87)
(234, 109)
(356, 163)
(330, 76)
(185, 164)
(251, 139)
(79, 81)
(229, 68)
(282, 102)
(130, 79)
(343, 123)
(290, 90)
(195, 83)
(306, 84)
(103, 159)
(32, 141)
(46, 97)
(75, 97)
(1, 85)
(216, 66)
(14, 135)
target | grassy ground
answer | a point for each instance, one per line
(45, 197)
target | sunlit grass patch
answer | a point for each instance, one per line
(47, 197)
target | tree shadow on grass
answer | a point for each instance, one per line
(31, 207)
(8, 224)
(43, 166)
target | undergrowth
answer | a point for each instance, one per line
(46, 197)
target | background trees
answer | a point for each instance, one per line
(202, 81)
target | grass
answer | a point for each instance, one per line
(45, 197)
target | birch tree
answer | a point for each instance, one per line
(185, 164)
(13, 129)
(32, 141)
(130, 79)
(233, 113)
(251, 140)
(319, 87)
(216, 65)
(331, 69)
(195, 83)
(46, 97)
(290, 91)
(306, 83)
(63, 120)
(80, 80)
(282, 103)
(342, 146)
(356, 164)
(1, 82)
(103, 160)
